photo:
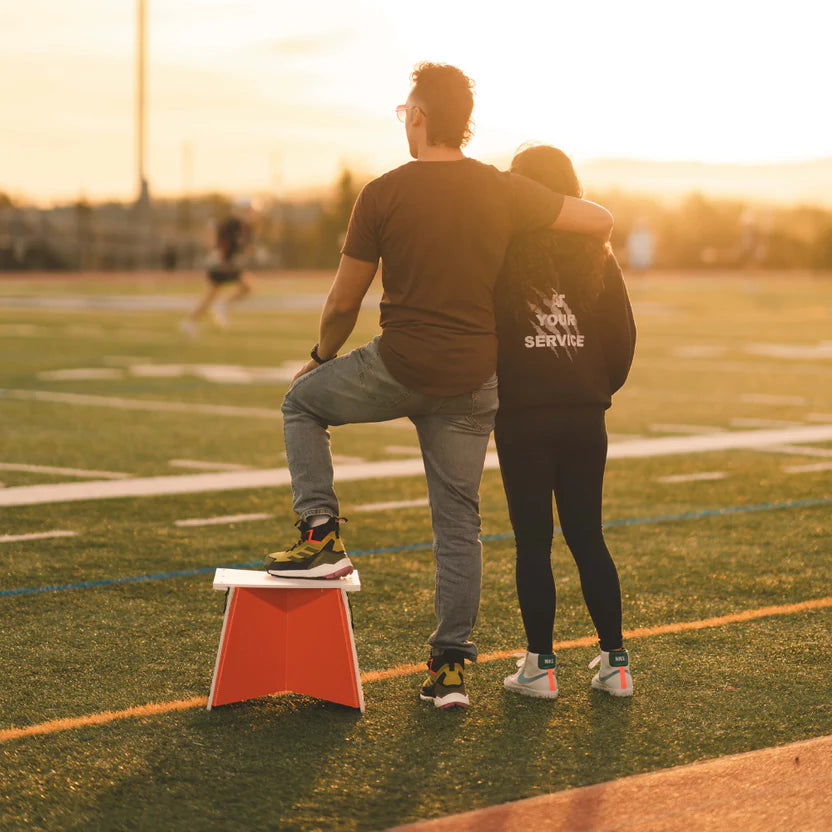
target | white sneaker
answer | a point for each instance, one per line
(187, 326)
(535, 676)
(613, 676)
(220, 315)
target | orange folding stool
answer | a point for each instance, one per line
(286, 634)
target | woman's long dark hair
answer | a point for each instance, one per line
(539, 261)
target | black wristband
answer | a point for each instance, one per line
(317, 358)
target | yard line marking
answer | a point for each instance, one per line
(638, 632)
(798, 450)
(802, 352)
(219, 521)
(768, 398)
(819, 417)
(699, 351)
(142, 404)
(701, 475)
(806, 469)
(721, 441)
(198, 464)
(69, 472)
(415, 547)
(102, 718)
(81, 374)
(392, 505)
(26, 495)
(13, 538)
(763, 423)
(674, 428)
(20, 330)
(399, 671)
(120, 360)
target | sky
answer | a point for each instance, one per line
(267, 96)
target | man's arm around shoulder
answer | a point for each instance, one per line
(341, 308)
(584, 217)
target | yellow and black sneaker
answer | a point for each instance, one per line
(445, 686)
(319, 553)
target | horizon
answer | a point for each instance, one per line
(244, 99)
(646, 178)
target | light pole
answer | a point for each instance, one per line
(144, 194)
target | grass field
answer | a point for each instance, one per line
(95, 378)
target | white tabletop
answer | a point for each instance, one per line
(257, 579)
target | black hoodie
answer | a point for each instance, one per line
(559, 344)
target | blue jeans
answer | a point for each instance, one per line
(453, 434)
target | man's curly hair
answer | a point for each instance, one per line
(447, 95)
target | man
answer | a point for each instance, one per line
(440, 225)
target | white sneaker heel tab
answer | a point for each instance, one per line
(595, 662)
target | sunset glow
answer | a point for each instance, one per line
(259, 96)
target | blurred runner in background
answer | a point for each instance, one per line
(224, 266)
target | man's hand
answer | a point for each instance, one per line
(584, 217)
(307, 368)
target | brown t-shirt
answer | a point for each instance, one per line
(441, 230)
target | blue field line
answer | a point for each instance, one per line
(389, 550)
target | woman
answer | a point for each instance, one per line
(566, 336)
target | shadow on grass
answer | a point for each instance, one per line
(246, 766)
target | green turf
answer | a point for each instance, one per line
(295, 763)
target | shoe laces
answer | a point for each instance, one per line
(595, 662)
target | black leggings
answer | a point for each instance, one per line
(564, 452)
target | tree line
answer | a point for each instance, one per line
(697, 232)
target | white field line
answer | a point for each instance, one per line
(623, 437)
(764, 423)
(277, 477)
(769, 398)
(13, 538)
(721, 441)
(20, 330)
(219, 521)
(701, 475)
(801, 352)
(808, 469)
(81, 374)
(124, 360)
(673, 428)
(200, 465)
(68, 472)
(392, 505)
(796, 450)
(142, 404)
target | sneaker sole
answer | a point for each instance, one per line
(450, 700)
(325, 570)
(527, 690)
(611, 691)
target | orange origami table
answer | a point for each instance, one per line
(286, 634)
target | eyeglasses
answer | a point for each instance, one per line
(401, 112)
